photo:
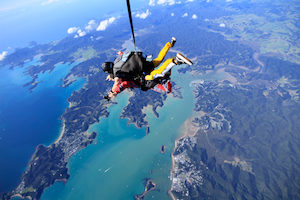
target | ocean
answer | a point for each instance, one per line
(28, 118)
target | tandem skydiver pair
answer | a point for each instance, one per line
(134, 70)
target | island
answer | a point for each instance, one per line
(150, 186)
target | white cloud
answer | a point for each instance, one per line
(143, 15)
(194, 16)
(81, 33)
(228, 0)
(207, 1)
(72, 30)
(105, 23)
(164, 2)
(172, 14)
(48, 2)
(189, 0)
(222, 25)
(152, 3)
(185, 15)
(92, 25)
(3, 55)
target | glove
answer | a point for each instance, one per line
(106, 97)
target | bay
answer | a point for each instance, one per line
(115, 167)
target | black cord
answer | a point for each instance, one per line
(130, 19)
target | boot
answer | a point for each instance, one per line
(173, 41)
(180, 59)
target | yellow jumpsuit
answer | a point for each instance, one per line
(165, 67)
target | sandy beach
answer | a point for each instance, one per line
(61, 132)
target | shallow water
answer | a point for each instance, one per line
(116, 165)
(123, 156)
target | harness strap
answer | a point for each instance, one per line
(130, 19)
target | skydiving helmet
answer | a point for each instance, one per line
(107, 67)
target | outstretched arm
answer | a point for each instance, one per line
(115, 89)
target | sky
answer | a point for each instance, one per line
(47, 20)
(43, 21)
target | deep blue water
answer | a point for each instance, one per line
(28, 119)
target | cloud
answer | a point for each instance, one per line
(185, 15)
(92, 25)
(105, 23)
(189, 0)
(48, 2)
(166, 2)
(152, 3)
(194, 16)
(172, 14)
(3, 55)
(72, 30)
(143, 15)
(228, 0)
(78, 31)
(81, 33)
(222, 25)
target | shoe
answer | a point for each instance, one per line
(180, 59)
(149, 77)
(173, 41)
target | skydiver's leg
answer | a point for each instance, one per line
(163, 52)
(162, 70)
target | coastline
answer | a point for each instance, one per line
(21, 197)
(172, 169)
(188, 129)
(61, 132)
(63, 126)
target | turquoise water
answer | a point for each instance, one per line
(28, 118)
(116, 165)
(123, 156)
